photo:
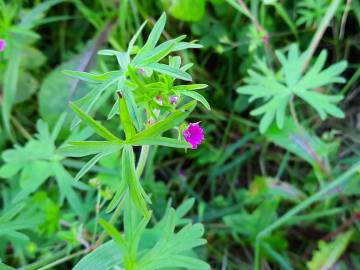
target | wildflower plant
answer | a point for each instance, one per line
(149, 103)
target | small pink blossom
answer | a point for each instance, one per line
(173, 99)
(142, 70)
(194, 134)
(2, 45)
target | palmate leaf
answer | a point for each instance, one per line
(38, 161)
(13, 220)
(165, 248)
(169, 251)
(276, 90)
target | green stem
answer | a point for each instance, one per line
(44, 261)
(142, 159)
(320, 32)
(286, 217)
(294, 116)
(67, 258)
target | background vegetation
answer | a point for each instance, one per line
(276, 181)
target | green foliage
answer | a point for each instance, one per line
(186, 10)
(278, 89)
(157, 248)
(36, 162)
(307, 146)
(144, 82)
(129, 90)
(250, 224)
(21, 57)
(14, 222)
(310, 12)
(329, 253)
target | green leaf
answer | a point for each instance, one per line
(173, 72)
(173, 120)
(136, 192)
(155, 33)
(65, 182)
(329, 253)
(134, 38)
(133, 109)
(115, 235)
(303, 144)
(323, 104)
(196, 96)
(250, 224)
(189, 87)
(32, 58)
(93, 78)
(57, 127)
(57, 89)
(118, 197)
(30, 18)
(284, 15)
(80, 149)
(8, 170)
(186, 10)
(26, 87)
(91, 164)
(104, 257)
(97, 127)
(168, 251)
(123, 58)
(87, 102)
(32, 176)
(11, 78)
(276, 90)
(125, 117)
(162, 246)
(143, 59)
(186, 45)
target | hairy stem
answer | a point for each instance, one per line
(320, 32)
(66, 258)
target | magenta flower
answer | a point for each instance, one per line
(142, 71)
(193, 134)
(173, 99)
(2, 44)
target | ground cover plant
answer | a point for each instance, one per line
(203, 134)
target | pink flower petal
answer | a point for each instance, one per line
(2, 45)
(194, 135)
(173, 99)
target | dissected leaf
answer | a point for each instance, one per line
(276, 90)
